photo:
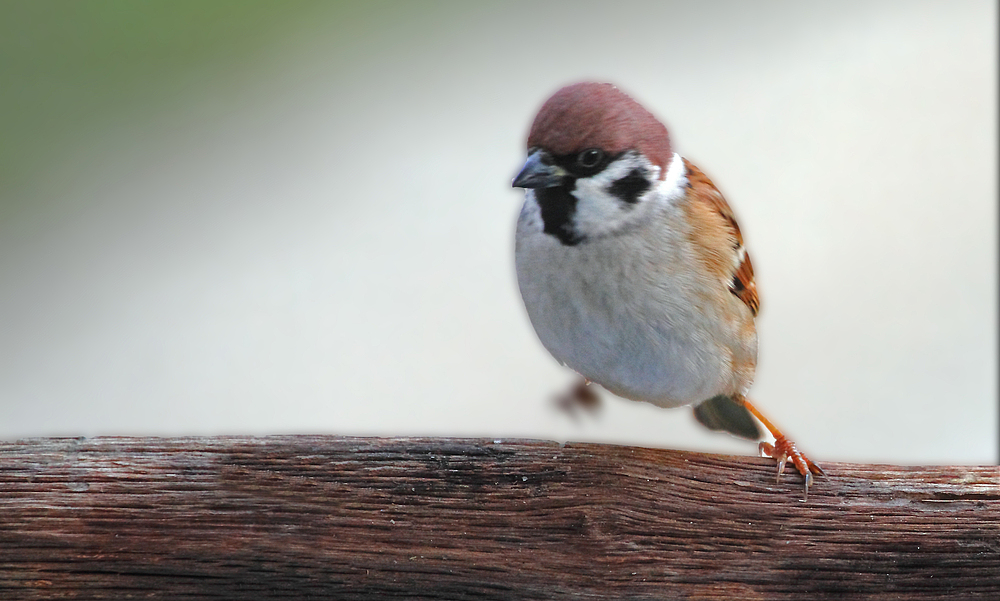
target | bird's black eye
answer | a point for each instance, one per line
(590, 158)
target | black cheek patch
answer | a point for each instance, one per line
(558, 207)
(630, 187)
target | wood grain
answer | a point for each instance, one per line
(360, 518)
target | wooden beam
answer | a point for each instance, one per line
(366, 518)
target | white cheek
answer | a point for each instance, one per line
(530, 219)
(599, 212)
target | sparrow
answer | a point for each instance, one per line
(632, 267)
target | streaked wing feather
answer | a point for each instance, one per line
(742, 283)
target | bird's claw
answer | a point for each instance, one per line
(783, 451)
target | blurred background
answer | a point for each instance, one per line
(240, 217)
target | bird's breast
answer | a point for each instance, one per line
(627, 311)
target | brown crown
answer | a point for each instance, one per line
(599, 115)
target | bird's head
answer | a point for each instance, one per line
(595, 156)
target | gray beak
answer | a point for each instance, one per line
(539, 173)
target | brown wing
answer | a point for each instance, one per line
(719, 236)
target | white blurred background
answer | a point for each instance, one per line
(253, 218)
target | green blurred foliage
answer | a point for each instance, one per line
(69, 67)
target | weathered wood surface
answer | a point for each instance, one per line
(311, 517)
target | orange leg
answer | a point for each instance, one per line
(783, 450)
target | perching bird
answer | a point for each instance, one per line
(632, 267)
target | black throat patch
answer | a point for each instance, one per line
(558, 207)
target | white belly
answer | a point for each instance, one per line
(621, 313)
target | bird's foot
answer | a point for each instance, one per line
(783, 451)
(581, 397)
